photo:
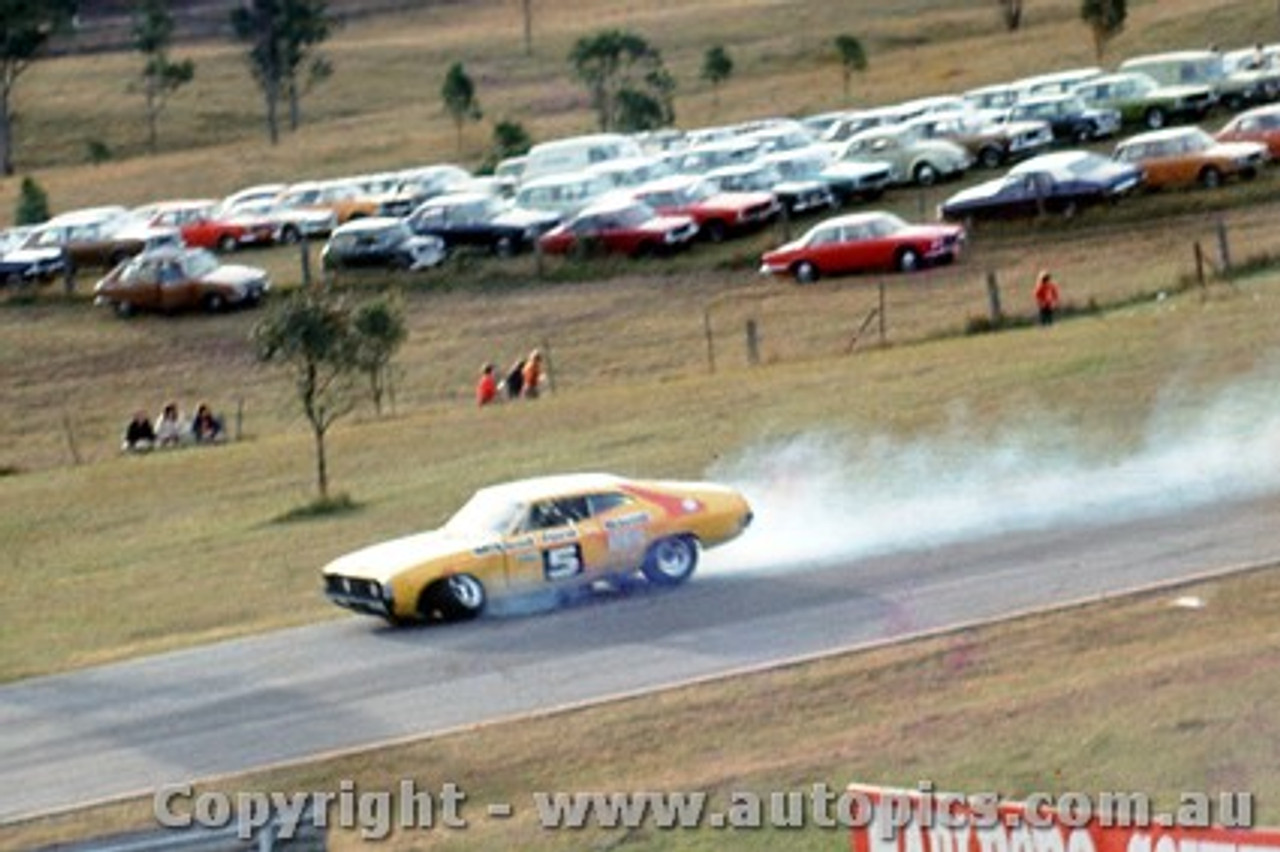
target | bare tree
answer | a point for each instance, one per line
(25, 28)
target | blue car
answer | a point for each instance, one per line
(1063, 183)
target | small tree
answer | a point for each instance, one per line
(312, 335)
(33, 203)
(25, 29)
(852, 58)
(717, 66)
(380, 330)
(459, 96)
(1011, 13)
(282, 36)
(161, 77)
(1105, 19)
(629, 84)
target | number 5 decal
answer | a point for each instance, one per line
(561, 562)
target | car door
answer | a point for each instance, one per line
(561, 538)
(141, 285)
(176, 289)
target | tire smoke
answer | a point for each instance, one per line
(823, 496)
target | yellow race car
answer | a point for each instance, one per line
(554, 532)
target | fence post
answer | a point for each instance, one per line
(993, 298)
(711, 343)
(547, 368)
(68, 272)
(753, 342)
(1200, 279)
(1224, 247)
(537, 259)
(880, 311)
(304, 251)
(785, 216)
(239, 417)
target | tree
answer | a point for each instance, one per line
(717, 66)
(459, 95)
(311, 333)
(25, 29)
(1011, 13)
(161, 77)
(380, 330)
(629, 84)
(282, 36)
(33, 203)
(1105, 19)
(852, 58)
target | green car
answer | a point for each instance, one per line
(1143, 101)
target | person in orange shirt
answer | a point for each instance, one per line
(1047, 297)
(532, 374)
(487, 387)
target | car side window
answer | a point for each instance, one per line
(598, 504)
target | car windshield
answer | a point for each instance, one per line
(884, 225)
(633, 215)
(486, 513)
(199, 263)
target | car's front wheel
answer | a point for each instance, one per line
(925, 174)
(671, 561)
(455, 598)
(990, 157)
(805, 272)
(1154, 119)
(1211, 178)
(227, 244)
(214, 303)
(908, 260)
(504, 246)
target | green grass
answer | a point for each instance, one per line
(1132, 695)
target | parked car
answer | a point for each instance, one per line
(1186, 156)
(1235, 90)
(911, 157)
(563, 193)
(1141, 100)
(796, 196)
(1061, 182)
(100, 237)
(993, 102)
(203, 224)
(621, 226)
(1260, 124)
(22, 266)
(991, 144)
(576, 153)
(1072, 120)
(718, 214)
(708, 156)
(864, 242)
(291, 224)
(411, 188)
(177, 279)
(381, 241)
(848, 180)
(548, 533)
(481, 221)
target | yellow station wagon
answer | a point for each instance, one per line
(555, 532)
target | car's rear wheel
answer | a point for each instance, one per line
(1084, 133)
(455, 598)
(290, 235)
(214, 302)
(125, 309)
(505, 246)
(671, 561)
(227, 243)
(1154, 119)
(715, 230)
(990, 157)
(908, 260)
(805, 272)
(925, 174)
(1211, 178)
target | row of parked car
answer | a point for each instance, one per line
(657, 193)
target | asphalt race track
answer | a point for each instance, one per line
(128, 728)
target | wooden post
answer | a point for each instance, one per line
(993, 299)
(68, 272)
(537, 259)
(753, 342)
(1200, 279)
(71, 438)
(880, 311)
(1224, 247)
(785, 218)
(304, 251)
(239, 417)
(711, 343)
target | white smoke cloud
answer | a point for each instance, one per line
(822, 496)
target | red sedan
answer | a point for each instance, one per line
(203, 226)
(1261, 124)
(620, 227)
(864, 242)
(717, 213)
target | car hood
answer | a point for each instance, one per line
(859, 170)
(32, 255)
(235, 275)
(384, 560)
(978, 192)
(1239, 150)
(520, 217)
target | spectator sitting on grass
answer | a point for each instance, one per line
(168, 427)
(139, 437)
(205, 427)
